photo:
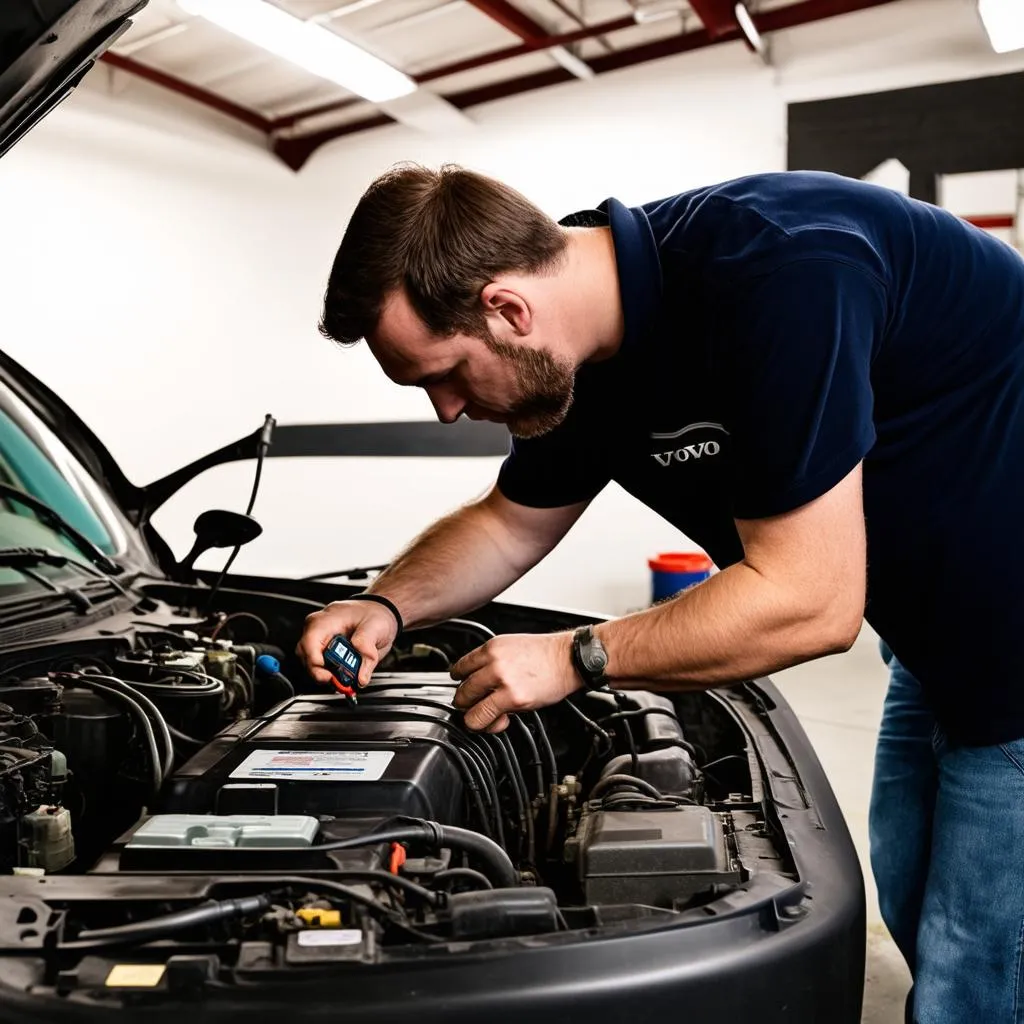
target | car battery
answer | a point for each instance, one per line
(320, 755)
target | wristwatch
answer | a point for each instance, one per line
(589, 658)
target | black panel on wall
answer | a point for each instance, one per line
(952, 128)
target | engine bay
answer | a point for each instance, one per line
(171, 781)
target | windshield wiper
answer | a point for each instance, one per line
(26, 560)
(57, 522)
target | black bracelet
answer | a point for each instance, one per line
(380, 599)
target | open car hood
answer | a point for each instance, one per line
(46, 48)
(408, 438)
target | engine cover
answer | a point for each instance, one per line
(318, 755)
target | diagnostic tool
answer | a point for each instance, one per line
(342, 660)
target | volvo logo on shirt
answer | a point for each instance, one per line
(688, 452)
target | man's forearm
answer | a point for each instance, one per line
(460, 562)
(737, 625)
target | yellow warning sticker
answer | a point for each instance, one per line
(135, 975)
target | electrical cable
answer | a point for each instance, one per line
(628, 781)
(168, 689)
(517, 793)
(638, 801)
(176, 734)
(462, 874)
(467, 776)
(151, 709)
(727, 757)
(478, 739)
(143, 719)
(626, 716)
(545, 743)
(535, 761)
(521, 796)
(490, 790)
(634, 758)
(235, 616)
(596, 729)
(249, 687)
(395, 881)
(485, 631)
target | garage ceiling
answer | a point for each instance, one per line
(459, 52)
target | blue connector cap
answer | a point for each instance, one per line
(268, 664)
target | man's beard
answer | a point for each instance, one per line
(544, 387)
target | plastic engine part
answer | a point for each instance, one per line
(670, 770)
(503, 912)
(328, 758)
(225, 831)
(51, 845)
(657, 858)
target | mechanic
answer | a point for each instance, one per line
(819, 381)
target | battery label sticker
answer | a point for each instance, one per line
(315, 765)
(331, 937)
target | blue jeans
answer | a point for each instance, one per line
(947, 853)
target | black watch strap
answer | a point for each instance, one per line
(589, 658)
(380, 599)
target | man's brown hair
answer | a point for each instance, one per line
(442, 236)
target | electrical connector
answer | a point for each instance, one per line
(316, 917)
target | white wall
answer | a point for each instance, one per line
(164, 274)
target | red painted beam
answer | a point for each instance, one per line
(297, 150)
(509, 16)
(716, 16)
(543, 43)
(471, 63)
(800, 13)
(991, 220)
(192, 92)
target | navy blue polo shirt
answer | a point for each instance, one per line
(780, 329)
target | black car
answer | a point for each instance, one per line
(189, 825)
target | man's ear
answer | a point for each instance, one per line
(509, 304)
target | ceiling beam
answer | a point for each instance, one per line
(296, 151)
(801, 13)
(471, 64)
(532, 32)
(510, 17)
(188, 90)
(717, 16)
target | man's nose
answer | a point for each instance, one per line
(447, 405)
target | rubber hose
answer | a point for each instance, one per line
(157, 927)
(500, 868)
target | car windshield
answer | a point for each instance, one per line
(33, 460)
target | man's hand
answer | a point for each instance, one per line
(369, 627)
(514, 672)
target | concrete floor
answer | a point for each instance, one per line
(839, 702)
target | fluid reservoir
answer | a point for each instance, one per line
(46, 833)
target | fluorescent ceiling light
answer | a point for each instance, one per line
(571, 63)
(658, 10)
(1004, 23)
(746, 24)
(310, 46)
